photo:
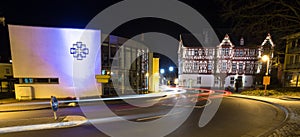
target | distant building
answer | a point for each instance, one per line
(291, 68)
(122, 57)
(5, 74)
(5, 70)
(221, 65)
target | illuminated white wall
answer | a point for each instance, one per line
(191, 80)
(247, 81)
(208, 80)
(42, 52)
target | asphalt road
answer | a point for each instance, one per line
(235, 117)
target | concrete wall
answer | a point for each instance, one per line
(42, 52)
(191, 80)
(247, 81)
(208, 80)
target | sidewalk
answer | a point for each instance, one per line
(12, 105)
(291, 127)
(9, 126)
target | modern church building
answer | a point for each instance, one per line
(63, 62)
(59, 62)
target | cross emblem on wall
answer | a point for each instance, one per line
(79, 51)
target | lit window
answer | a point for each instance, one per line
(233, 67)
(236, 52)
(241, 67)
(196, 66)
(252, 52)
(231, 80)
(248, 67)
(196, 53)
(216, 81)
(210, 52)
(241, 53)
(209, 67)
(223, 52)
(226, 51)
(203, 52)
(224, 66)
(39, 80)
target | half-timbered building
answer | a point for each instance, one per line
(222, 65)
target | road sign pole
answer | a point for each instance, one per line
(266, 82)
(54, 105)
(265, 91)
(55, 117)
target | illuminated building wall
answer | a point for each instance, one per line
(222, 65)
(153, 73)
(125, 60)
(291, 68)
(54, 61)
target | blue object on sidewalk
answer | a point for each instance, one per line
(54, 103)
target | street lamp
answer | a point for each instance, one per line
(266, 79)
(266, 58)
(162, 71)
(171, 68)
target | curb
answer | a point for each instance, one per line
(84, 100)
(286, 111)
(30, 109)
(67, 122)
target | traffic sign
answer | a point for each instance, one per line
(54, 103)
(102, 78)
(266, 80)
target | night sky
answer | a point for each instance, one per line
(77, 13)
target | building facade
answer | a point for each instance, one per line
(127, 62)
(59, 62)
(6, 74)
(222, 65)
(291, 68)
(63, 62)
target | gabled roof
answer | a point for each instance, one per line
(268, 40)
(189, 40)
(226, 41)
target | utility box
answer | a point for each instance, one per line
(24, 93)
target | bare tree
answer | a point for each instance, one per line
(256, 18)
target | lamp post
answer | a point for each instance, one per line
(266, 58)
(266, 79)
(162, 72)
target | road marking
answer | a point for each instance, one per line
(126, 109)
(156, 117)
(148, 118)
(189, 106)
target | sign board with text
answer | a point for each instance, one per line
(266, 80)
(102, 78)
